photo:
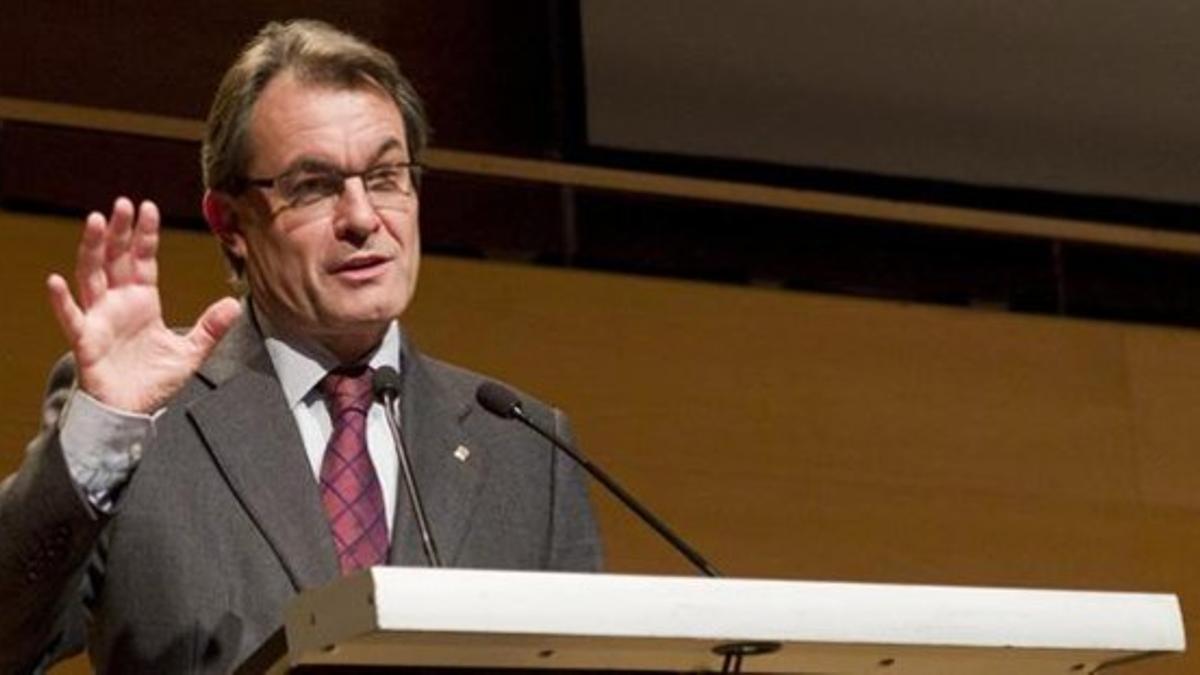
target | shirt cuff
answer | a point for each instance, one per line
(102, 446)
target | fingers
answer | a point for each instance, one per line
(89, 262)
(144, 247)
(213, 324)
(118, 242)
(70, 317)
(117, 251)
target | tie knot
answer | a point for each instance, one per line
(348, 389)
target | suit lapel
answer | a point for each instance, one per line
(252, 436)
(432, 418)
(246, 425)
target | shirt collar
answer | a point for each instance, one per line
(300, 366)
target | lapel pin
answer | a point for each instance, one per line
(462, 453)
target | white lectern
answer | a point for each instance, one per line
(527, 620)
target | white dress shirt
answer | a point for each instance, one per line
(300, 369)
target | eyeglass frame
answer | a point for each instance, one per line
(414, 168)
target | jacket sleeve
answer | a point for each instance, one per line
(48, 535)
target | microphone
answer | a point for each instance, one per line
(386, 385)
(498, 400)
(502, 402)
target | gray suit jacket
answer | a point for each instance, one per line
(221, 523)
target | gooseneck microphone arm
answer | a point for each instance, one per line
(386, 384)
(502, 402)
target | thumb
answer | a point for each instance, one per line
(213, 324)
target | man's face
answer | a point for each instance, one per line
(337, 270)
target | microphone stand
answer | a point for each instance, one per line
(503, 403)
(390, 404)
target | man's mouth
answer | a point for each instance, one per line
(361, 267)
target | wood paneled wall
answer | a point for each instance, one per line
(792, 435)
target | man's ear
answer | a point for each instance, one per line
(222, 218)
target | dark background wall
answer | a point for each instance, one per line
(484, 68)
(524, 79)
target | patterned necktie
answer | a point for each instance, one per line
(350, 488)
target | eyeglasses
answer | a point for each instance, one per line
(388, 185)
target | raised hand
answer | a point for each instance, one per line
(126, 356)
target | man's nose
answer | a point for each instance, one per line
(354, 214)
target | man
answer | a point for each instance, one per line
(188, 485)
